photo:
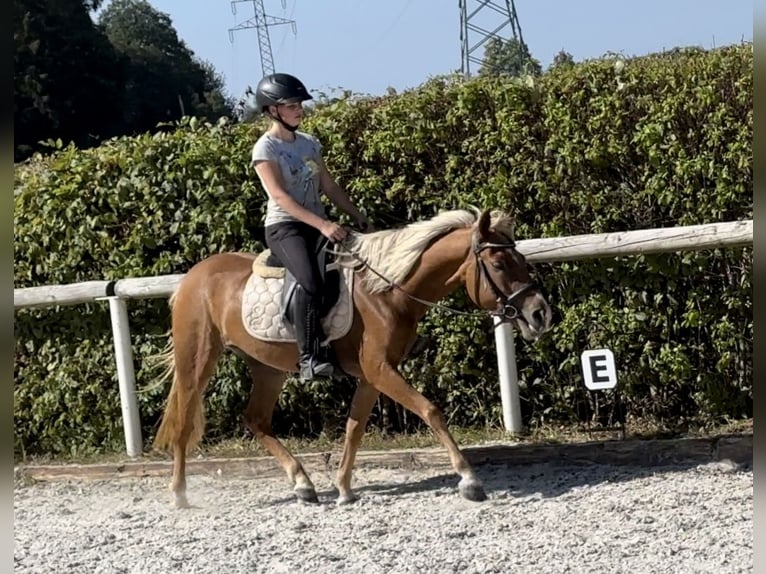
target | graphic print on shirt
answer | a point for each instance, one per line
(304, 173)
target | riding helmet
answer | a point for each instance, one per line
(276, 89)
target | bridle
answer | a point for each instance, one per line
(507, 308)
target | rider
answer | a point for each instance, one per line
(291, 170)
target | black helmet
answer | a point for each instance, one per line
(277, 89)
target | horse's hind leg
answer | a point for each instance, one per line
(267, 384)
(361, 407)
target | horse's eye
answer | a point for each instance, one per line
(498, 264)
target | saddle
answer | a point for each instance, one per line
(328, 270)
(268, 295)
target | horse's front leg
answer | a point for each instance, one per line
(386, 378)
(361, 407)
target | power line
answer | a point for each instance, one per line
(394, 23)
(282, 41)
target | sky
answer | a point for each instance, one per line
(367, 46)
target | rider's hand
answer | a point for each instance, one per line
(333, 231)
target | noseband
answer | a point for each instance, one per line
(507, 306)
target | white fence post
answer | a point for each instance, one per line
(509, 381)
(126, 374)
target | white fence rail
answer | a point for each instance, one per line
(687, 238)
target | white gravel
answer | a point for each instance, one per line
(541, 518)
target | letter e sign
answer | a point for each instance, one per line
(598, 369)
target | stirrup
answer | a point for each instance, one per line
(313, 369)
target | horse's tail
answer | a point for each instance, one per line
(184, 404)
(163, 360)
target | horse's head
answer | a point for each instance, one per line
(497, 279)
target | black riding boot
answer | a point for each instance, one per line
(312, 357)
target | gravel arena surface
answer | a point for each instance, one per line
(539, 518)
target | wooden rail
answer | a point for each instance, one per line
(693, 237)
(686, 238)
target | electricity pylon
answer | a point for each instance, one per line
(479, 35)
(261, 22)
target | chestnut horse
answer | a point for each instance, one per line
(404, 272)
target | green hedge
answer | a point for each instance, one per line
(603, 146)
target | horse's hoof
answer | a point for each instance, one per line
(349, 498)
(180, 501)
(306, 494)
(472, 490)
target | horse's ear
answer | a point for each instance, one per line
(481, 230)
(482, 227)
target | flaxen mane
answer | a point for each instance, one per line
(393, 252)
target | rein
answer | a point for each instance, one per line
(505, 302)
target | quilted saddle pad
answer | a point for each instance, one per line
(262, 312)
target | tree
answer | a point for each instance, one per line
(81, 82)
(562, 60)
(164, 81)
(209, 99)
(66, 75)
(509, 57)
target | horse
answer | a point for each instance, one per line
(398, 274)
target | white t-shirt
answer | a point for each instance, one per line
(298, 163)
